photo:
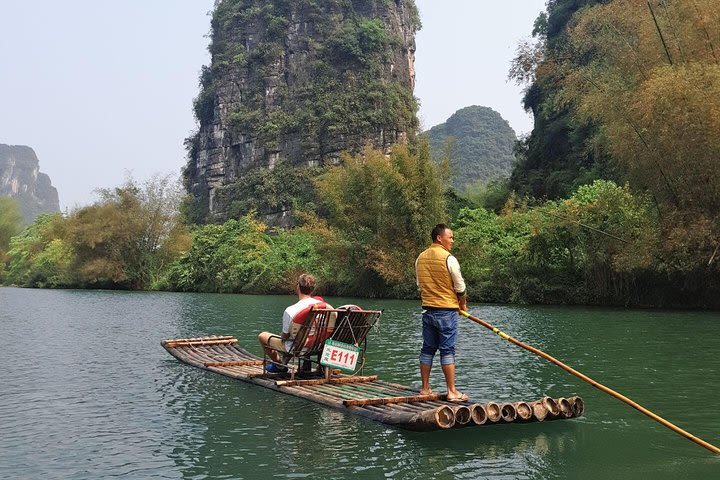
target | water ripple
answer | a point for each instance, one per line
(89, 393)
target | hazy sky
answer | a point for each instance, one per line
(99, 88)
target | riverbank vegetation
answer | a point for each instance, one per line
(614, 199)
(603, 245)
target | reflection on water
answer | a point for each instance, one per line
(89, 393)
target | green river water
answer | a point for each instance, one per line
(88, 392)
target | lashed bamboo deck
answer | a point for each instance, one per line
(366, 396)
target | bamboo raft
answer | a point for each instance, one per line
(367, 396)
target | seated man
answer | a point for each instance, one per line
(304, 289)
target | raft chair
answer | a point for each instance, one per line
(349, 325)
(353, 326)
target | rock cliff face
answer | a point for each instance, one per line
(21, 179)
(297, 81)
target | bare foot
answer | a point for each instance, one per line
(426, 392)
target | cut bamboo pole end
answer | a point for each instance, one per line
(578, 406)
(565, 407)
(524, 411)
(551, 406)
(539, 411)
(462, 415)
(493, 411)
(478, 414)
(508, 412)
(444, 417)
(441, 417)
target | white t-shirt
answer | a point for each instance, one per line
(290, 313)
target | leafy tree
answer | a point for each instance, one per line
(222, 258)
(648, 74)
(488, 247)
(127, 238)
(488, 194)
(381, 209)
(291, 253)
(591, 245)
(560, 154)
(10, 221)
(39, 256)
(590, 248)
(267, 192)
(238, 256)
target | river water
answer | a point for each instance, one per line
(88, 392)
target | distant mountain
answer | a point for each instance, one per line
(21, 179)
(482, 147)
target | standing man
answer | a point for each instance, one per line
(442, 290)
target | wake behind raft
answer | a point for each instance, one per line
(366, 396)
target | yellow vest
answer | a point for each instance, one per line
(436, 286)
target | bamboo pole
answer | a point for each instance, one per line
(422, 420)
(222, 354)
(439, 417)
(375, 389)
(185, 342)
(391, 400)
(340, 396)
(398, 386)
(199, 343)
(369, 393)
(197, 355)
(234, 363)
(316, 396)
(329, 381)
(196, 339)
(595, 384)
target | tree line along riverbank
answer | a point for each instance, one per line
(359, 231)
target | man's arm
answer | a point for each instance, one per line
(462, 301)
(287, 320)
(458, 281)
(417, 279)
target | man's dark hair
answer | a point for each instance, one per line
(437, 231)
(306, 283)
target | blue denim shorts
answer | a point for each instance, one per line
(439, 333)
